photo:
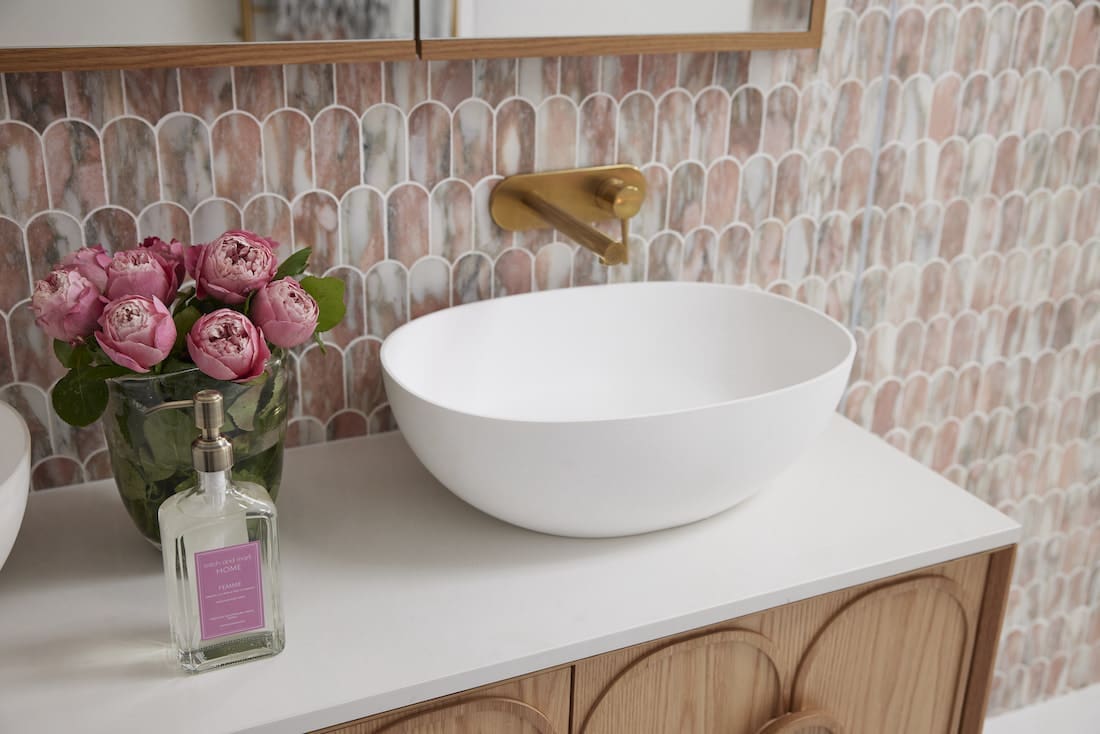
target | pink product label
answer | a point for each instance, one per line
(231, 598)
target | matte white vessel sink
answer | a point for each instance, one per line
(15, 476)
(614, 410)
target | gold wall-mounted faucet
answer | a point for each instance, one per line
(568, 200)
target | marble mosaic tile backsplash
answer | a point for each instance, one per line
(931, 178)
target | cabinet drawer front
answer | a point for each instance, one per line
(535, 704)
(891, 656)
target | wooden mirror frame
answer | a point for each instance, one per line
(80, 58)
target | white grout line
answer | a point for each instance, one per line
(876, 149)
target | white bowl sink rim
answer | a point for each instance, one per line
(407, 331)
(16, 448)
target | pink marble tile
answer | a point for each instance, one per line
(429, 286)
(7, 374)
(22, 173)
(665, 257)
(451, 220)
(846, 115)
(1087, 165)
(696, 71)
(185, 166)
(731, 69)
(14, 285)
(472, 139)
(288, 157)
(1000, 37)
(685, 204)
(346, 424)
(94, 96)
(598, 121)
(495, 80)
(206, 92)
(658, 73)
(362, 217)
(943, 113)
(746, 122)
(429, 144)
(130, 160)
(50, 237)
(700, 255)
(556, 134)
(790, 186)
(151, 93)
(309, 87)
(619, 75)
(383, 142)
(358, 85)
(407, 224)
(780, 118)
(336, 153)
(757, 183)
(213, 217)
(908, 35)
(1057, 35)
(537, 78)
(970, 44)
(515, 129)
(451, 82)
(363, 367)
(711, 123)
(674, 124)
(316, 217)
(488, 237)
(553, 266)
(322, 382)
(732, 260)
(74, 166)
(890, 168)
(237, 157)
(34, 364)
(973, 108)
(260, 89)
(722, 187)
(165, 220)
(111, 227)
(36, 98)
(855, 173)
(580, 76)
(472, 278)
(939, 40)
(872, 33)
(387, 298)
(513, 273)
(270, 215)
(1029, 33)
(405, 83)
(636, 132)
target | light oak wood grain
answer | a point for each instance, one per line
(535, 704)
(998, 581)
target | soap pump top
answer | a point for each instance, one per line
(211, 451)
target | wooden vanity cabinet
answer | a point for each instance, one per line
(912, 654)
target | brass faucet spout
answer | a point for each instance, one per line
(568, 200)
(610, 251)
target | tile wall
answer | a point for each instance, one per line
(930, 177)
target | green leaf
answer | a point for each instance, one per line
(329, 294)
(64, 353)
(295, 264)
(184, 320)
(80, 397)
(319, 342)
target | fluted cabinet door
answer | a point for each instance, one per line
(537, 704)
(725, 681)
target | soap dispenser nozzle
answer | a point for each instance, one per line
(211, 451)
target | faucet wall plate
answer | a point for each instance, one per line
(574, 190)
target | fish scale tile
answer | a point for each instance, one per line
(977, 309)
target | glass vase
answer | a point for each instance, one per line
(151, 452)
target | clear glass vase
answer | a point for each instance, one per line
(151, 452)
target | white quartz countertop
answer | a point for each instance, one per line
(397, 592)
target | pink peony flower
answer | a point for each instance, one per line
(138, 332)
(66, 305)
(91, 262)
(141, 272)
(170, 252)
(227, 346)
(285, 312)
(232, 266)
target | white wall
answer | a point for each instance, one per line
(82, 22)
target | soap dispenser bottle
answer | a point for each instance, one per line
(221, 555)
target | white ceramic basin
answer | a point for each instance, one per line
(15, 476)
(614, 410)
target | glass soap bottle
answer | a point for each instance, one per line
(221, 555)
